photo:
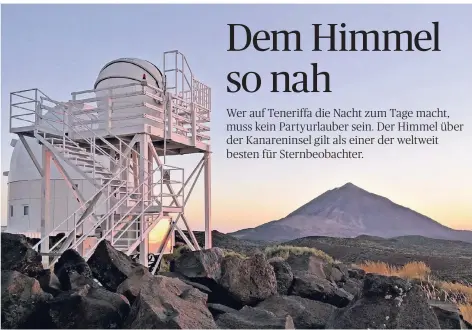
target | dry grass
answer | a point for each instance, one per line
(457, 293)
(411, 270)
(457, 288)
(284, 251)
(228, 253)
(466, 311)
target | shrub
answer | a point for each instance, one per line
(458, 289)
(284, 251)
(227, 253)
(457, 293)
(411, 270)
(380, 268)
(466, 311)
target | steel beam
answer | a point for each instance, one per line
(143, 160)
(46, 204)
(208, 243)
(31, 154)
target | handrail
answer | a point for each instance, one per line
(81, 222)
(104, 140)
(103, 218)
(63, 121)
(81, 207)
(114, 227)
(121, 141)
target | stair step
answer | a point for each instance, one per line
(73, 152)
(97, 166)
(127, 189)
(85, 160)
(69, 147)
(100, 172)
(59, 141)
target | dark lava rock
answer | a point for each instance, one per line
(387, 302)
(110, 266)
(71, 262)
(202, 266)
(22, 300)
(306, 313)
(18, 255)
(283, 275)
(49, 282)
(314, 265)
(356, 273)
(131, 287)
(312, 287)
(254, 318)
(448, 314)
(168, 303)
(184, 279)
(352, 286)
(248, 281)
(308, 263)
(337, 273)
(88, 308)
(218, 309)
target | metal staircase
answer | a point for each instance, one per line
(125, 202)
(114, 138)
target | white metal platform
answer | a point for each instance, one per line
(118, 137)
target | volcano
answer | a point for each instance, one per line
(350, 211)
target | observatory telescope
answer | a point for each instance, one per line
(94, 168)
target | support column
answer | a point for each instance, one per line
(46, 204)
(207, 174)
(143, 168)
(111, 219)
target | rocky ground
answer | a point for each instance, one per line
(448, 260)
(207, 289)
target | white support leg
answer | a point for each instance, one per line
(207, 200)
(46, 204)
(143, 173)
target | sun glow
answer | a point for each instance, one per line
(157, 235)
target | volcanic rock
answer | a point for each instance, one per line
(356, 273)
(18, 255)
(387, 302)
(88, 307)
(283, 275)
(312, 287)
(110, 266)
(168, 303)
(254, 318)
(71, 262)
(248, 281)
(22, 299)
(448, 314)
(49, 282)
(203, 266)
(131, 287)
(306, 313)
(218, 309)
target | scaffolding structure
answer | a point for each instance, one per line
(118, 139)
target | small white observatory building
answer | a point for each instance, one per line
(94, 167)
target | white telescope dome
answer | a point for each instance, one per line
(127, 111)
(128, 70)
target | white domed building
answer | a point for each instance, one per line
(24, 191)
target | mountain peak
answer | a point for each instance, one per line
(350, 211)
(349, 185)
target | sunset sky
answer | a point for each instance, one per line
(66, 50)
